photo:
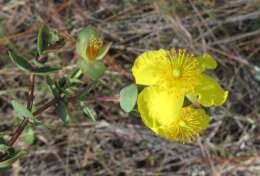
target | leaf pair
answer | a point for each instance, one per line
(48, 40)
(24, 65)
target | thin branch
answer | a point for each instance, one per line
(25, 121)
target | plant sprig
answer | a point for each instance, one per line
(65, 90)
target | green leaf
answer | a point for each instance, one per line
(76, 74)
(88, 111)
(21, 62)
(63, 82)
(86, 90)
(75, 81)
(22, 112)
(4, 147)
(53, 87)
(11, 159)
(28, 135)
(128, 97)
(48, 39)
(45, 70)
(93, 69)
(24, 65)
(62, 111)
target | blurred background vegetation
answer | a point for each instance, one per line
(118, 143)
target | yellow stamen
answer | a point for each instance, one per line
(93, 47)
(176, 73)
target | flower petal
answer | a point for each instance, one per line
(159, 106)
(190, 122)
(209, 92)
(208, 62)
(150, 67)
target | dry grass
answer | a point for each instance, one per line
(119, 144)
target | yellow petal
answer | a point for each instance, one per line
(209, 92)
(186, 70)
(190, 122)
(150, 67)
(208, 62)
(159, 107)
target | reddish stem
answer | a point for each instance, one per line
(25, 121)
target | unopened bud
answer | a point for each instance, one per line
(42, 59)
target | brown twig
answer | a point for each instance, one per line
(25, 121)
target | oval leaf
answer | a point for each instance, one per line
(62, 111)
(45, 70)
(24, 65)
(28, 135)
(22, 112)
(128, 96)
(20, 62)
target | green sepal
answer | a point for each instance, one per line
(85, 35)
(103, 51)
(93, 69)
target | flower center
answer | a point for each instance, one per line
(93, 47)
(182, 124)
(176, 73)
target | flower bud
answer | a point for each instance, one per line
(90, 44)
(91, 48)
(42, 59)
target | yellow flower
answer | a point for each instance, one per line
(170, 76)
(173, 69)
(162, 111)
(182, 72)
